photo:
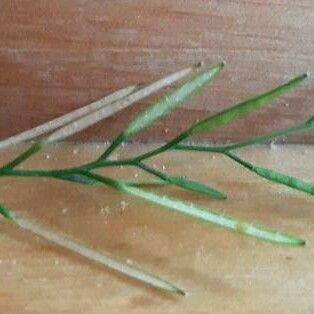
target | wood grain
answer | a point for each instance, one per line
(56, 56)
(223, 272)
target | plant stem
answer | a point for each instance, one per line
(260, 139)
(274, 176)
(162, 148)
(25, 155)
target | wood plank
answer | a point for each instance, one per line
(58, 56)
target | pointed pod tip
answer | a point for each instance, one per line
(301, 242)
(198, 65)
(220, 66)
(310, 121)
(214, 69)
(303, 76)
(180, 292)
(220, 195)
(201, 64)
(296, 242)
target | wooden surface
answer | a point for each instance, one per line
(223, 272)
(59, 55)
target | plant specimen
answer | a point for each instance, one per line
(82, 118)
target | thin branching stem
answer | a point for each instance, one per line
(83, 174)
